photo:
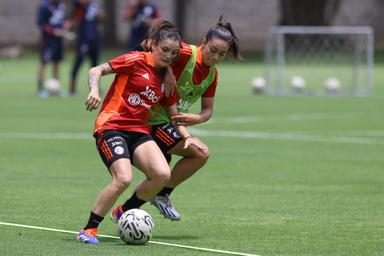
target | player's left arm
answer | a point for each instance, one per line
(205, 114)
(189, 139)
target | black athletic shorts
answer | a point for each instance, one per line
(52, 51)
(113, 144)
(166, 137)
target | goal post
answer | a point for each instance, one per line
(319, 61)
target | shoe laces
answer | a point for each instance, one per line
(92, 232)
(167, 201)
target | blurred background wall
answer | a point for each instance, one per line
(251, 19)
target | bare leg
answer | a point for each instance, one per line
(40, 76)
(192, 161)
(55, 70)
(121, 178)
(149, 159)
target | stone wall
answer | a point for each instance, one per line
(251, 19)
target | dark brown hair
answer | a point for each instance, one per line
(160, 30)
(223, 30)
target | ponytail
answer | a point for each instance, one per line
(224, 31)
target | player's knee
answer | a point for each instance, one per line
(162, 177)
(205, 154)
(122, 182)
(202, 155)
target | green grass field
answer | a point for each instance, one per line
(287, 175)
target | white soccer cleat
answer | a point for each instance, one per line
(165, 206)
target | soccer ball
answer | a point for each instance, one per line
(258, 85)
(135, 226)
(332, 85)
(297, 83)
(52, 86)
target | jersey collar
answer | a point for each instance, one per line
(199, 58)
(150, 60)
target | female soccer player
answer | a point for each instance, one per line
(197, 78)
(121, 130)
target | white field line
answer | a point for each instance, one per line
(46, 135)
(213, 133)
(289, 117)
(285, 136)
(115, 237)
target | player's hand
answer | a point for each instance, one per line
(186, 119)
(93, 100)
(58, 32)
(192, 141)
(69, 35)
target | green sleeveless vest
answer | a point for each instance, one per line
(188, 92)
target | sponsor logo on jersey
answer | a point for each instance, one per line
(150, 94)
(183, 104)
(135, 100)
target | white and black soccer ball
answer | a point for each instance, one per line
(52, 86)
(135, 226)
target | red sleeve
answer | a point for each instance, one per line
(182, 60)
(211, 90)
(169, 101)
(125, 63)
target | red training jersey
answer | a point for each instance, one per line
(136, 88)
(201, 70)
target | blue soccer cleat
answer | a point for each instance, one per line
(88, 236)
(166, 208)
(116, 213)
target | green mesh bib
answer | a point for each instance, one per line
(188, 92)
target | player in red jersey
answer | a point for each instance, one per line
(121, 130)
(197, 78)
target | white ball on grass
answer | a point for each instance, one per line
(298, 83)
(332, 85)
(53, 86)
(258, 85)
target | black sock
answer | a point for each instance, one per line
(133, 202)
(165, 191)
(94, 221)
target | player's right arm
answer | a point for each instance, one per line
(94, 75)
(121, 64)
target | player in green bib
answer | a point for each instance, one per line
(196, 77)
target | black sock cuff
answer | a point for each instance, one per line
(94, 221)
(133, 202)
(165, 191)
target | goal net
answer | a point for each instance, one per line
(319, 61)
